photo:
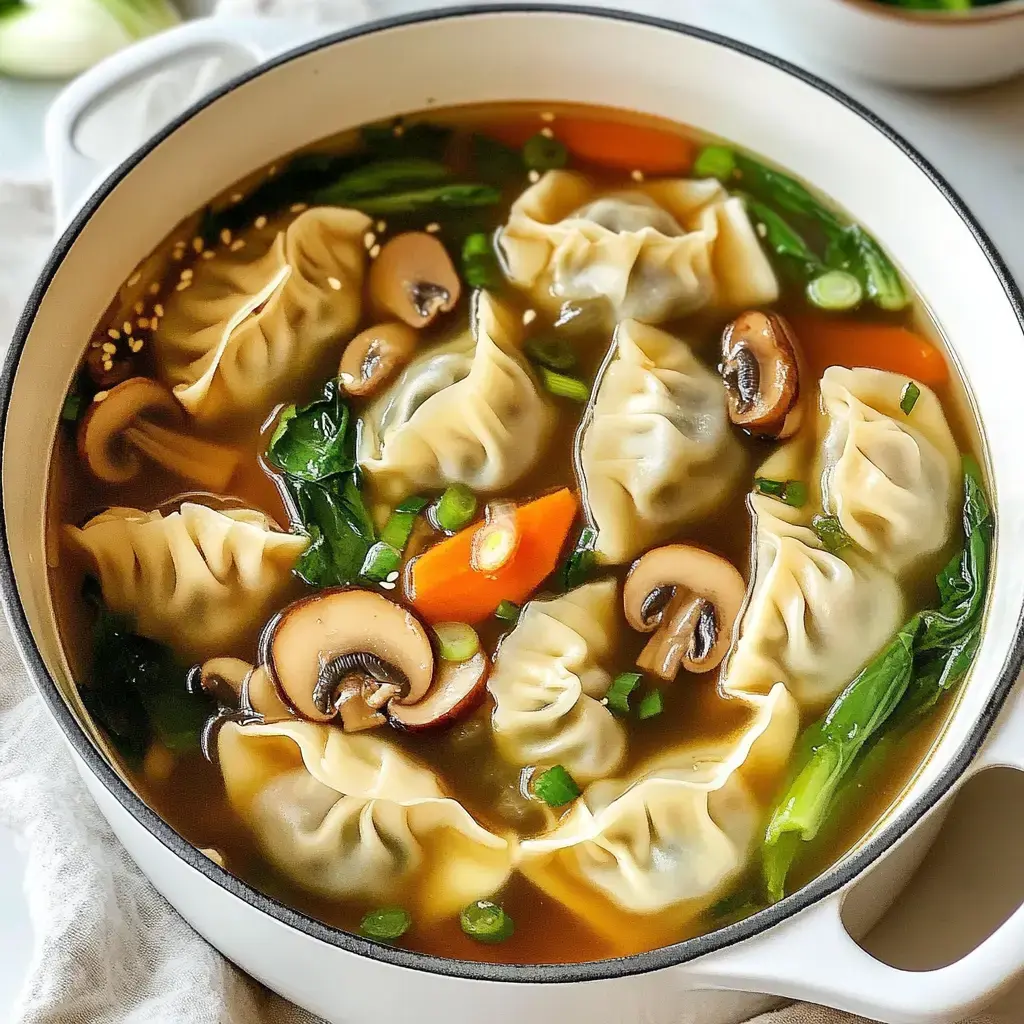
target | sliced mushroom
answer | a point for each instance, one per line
(130, 421)
(315, 644)
(355, 712)
(413, 278)
(375, 355)
(459, 688)
(259, 694)
(760, 366)
(221, 678)
(690, 598)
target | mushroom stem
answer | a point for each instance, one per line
(674, 638)
(206, 463)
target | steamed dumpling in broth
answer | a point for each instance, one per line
(652, 253)
(351, 816)
(549, 678)
(255, 324)
(196, 578)
(659, 450)
(468, 412)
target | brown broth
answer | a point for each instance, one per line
(187, 791)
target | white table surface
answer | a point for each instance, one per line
(976, 139)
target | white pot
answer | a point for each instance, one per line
(799, 948)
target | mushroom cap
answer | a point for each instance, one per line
(100, 444)
(259, 694)
(761, 369)
(414, 279)
(314, 632)
(697, 576)
(373, 356)
(459, 688)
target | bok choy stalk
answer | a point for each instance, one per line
(927, 658)
(60, 38)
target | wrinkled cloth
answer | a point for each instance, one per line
(108, 948)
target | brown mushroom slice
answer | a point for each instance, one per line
(459, 688)
(690, 598)
(259, 694)
(375, 355)
(221, 678)
(760, 367)
(414, 279)
(316, 643)
(128, 422)
(355, 712)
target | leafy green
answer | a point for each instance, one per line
(784, 240)
(313, 442)
(580, 563)
(429, 200)
(480, 266)
(494, 162)
(541, 153)
(397, 139)
(381, 177)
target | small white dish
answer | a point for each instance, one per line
(921, 49)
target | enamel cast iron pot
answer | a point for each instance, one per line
(799, 948)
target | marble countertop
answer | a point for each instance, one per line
(976, 139)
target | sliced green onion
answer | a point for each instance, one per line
(398, 529)
(456, 508)
(486, 922)
(480, 266)
(564, 386)
(835, 290)
(72, 407)
(911, 393)
(381, 561)
(618, 693)
(414, 504)
(715, 162)
(551, 351)
(581, 561)
(556, 787)
(386, 924)
(651, 706)
(792, 492)
(543, 154)
(507, 611)
(456, 641)
(831, 533)
(773, 488)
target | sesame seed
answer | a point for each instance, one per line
(547, 116)
(534, 176)
(115, 334)
(761, 230)
(100, 395)
(181, 286)
(548, 133)
(177, 256)
(272, 170)
(529, 316)
(637, 175)
(136, 345)
(209, 254)
(180, 244)
(139, 307)
(197, 243)
(260, 222)
(334, 283)
(158, 309)
(109, 346)
(392, 576)
(368, 239)
(374, 252)
(432, 228)
(134, 279)
(398, 131)
(225, 236)
(186, 274)
(94, 344)
(298, 207)
(238, 243)
(237, 197)
(142, 322)
(108, 364)
(127, 327)
(381, 226)
(154, 288)
(388, 586)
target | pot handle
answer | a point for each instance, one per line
(206, 53)
(812, 957)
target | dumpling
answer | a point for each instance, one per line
(892, 478)
(659, 451)
(813, 619)
(642, 857)
(548, 680)
(466, 412)
(257, 324)
(352, 817)
(196, 579)
(658, 251)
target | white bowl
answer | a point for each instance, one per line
(799, 948)
(923, 49)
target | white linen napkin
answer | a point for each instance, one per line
(108, 948)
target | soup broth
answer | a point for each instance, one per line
(619, 324)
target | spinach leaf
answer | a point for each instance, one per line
(495, 162)
(396, 139)
(380, 177)
(313, 442)
(430, 200)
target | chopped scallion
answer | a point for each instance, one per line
(507, 611)
(386, 924)
(551, 351)
(456, 508)
(556, 787)
(564, 386)
(911, 393)
(651, 706)
(831, 533)
(715, 162)
(543, 154)
(480, 266)
(486, 922)
(792, 492)
(835, 290)
(416, 504)
(71, 409)
(381, 561)
(398, 529)
(618, 693)
(456, 641)
(580, 562)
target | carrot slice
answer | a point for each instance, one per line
(626, 147)
(828, 342)
(444, 586)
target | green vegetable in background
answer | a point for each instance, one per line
(428, 200)
(494, 162)
(480, 266)
(313, 442)
(60, 38)
(784, 240)
(556, 787)
(381, 177)
(581, 560)
(927, 657)
(541, 153)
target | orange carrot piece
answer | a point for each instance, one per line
(626, 147)
(446, 588)
(828, 342)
